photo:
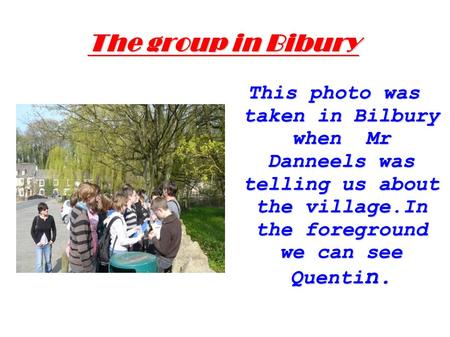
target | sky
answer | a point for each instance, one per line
(25, 113)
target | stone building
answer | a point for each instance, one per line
(26, 181)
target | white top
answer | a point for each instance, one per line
(44, 240)
(119, 230)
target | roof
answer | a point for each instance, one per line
(30, 170)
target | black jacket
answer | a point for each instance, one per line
(141, 213)
(47, 227)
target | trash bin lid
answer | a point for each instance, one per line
(132, 260)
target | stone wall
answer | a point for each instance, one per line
(190, 257)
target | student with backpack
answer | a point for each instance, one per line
(103, 232)
(104, 211)
(115, 238)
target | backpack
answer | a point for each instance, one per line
(104, 243)
(176, 204)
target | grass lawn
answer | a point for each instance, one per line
(206, 225)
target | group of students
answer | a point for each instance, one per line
(132, 221)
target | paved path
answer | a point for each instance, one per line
(25, 255)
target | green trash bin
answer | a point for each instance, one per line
(133, 262)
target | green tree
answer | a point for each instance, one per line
(34, 145)
(48, 187)
(112, 144)
(200, 165)
(200, 158)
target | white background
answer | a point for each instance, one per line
(44, 48)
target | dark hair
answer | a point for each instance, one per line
(42, 207)
(170, 188)
(127, 189)
(157, 192)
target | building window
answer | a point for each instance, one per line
(41, 191)
(41, 182)
(21, 192)
(55, 182)
(21, 181)
(24, 172)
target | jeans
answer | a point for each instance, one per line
(45, 251)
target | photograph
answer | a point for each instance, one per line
(129, 188)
